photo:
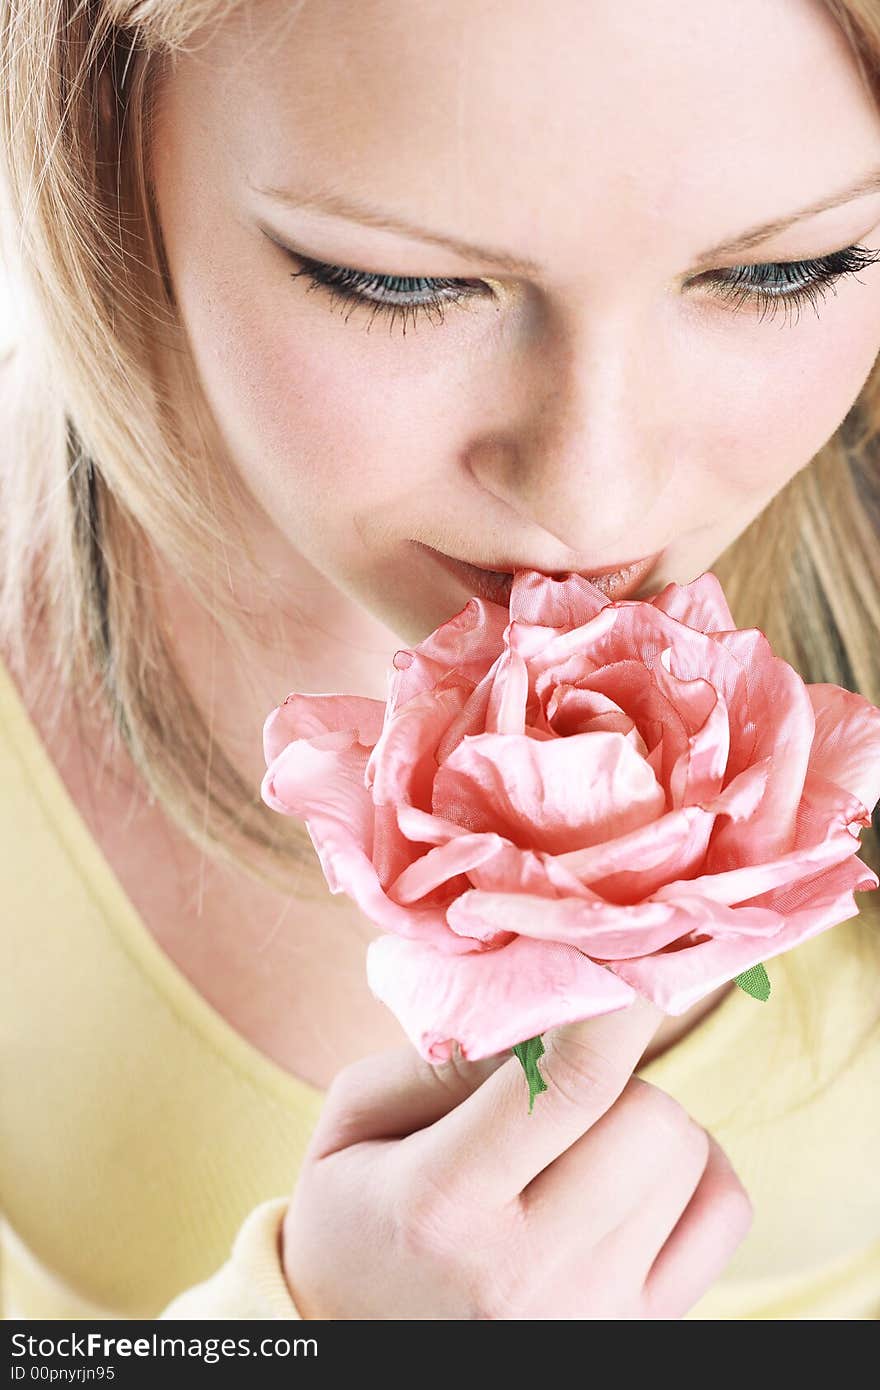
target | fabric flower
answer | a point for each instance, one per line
(564, 805)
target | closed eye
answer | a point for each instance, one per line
(766, 286)
(789, 284)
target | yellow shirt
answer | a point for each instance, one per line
(147, 1150)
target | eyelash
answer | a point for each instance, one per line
(811, 279)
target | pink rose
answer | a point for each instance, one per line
(577, 801)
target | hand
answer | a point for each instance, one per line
(433, 1193)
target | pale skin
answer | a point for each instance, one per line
(603, 404)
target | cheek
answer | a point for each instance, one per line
(768, 397)
(304, 416)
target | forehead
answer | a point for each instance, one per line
(534, 126)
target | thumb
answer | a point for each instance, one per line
(605, 1049)
(393, 1093)
(627, 1029)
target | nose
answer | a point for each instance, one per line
(589, 455)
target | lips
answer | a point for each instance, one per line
(615, 581)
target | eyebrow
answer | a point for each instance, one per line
(869, 183)
(327, 200)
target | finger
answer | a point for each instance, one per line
(628, 1178)
(393, 1093)
(491, 1146)
(712, 1226)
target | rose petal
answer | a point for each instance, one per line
(515, 870)
(846, 744)
(392, 851)
(637, 631)
(742, 795)
(326, 786)
(416, 674)
(425, 829)
(488, 1001)
(771, 701)
(467, 644)
(309, 716)
(655, 761)
(769, 711)
(701, 604)
(649, 846)
(718, 920)
(698, 770)
(402, 764)
(637, 882)
(597, 928)
(490, 862)
(537, 599)
(633, 689)
(554, 795)
(676, 980)
(822, 838)
(544, 648)
(508, 697)
(603, 931)
(323, 775)
(471, 719)
(441, 864)
(574, 709)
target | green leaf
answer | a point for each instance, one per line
(755, 982)
(528, 1054)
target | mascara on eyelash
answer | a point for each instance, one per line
(819, 275)
(810, 279)
(847, 261)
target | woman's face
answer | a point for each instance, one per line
(612, 382)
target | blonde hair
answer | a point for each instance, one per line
(98, 478)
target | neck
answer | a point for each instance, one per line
(305, 635)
